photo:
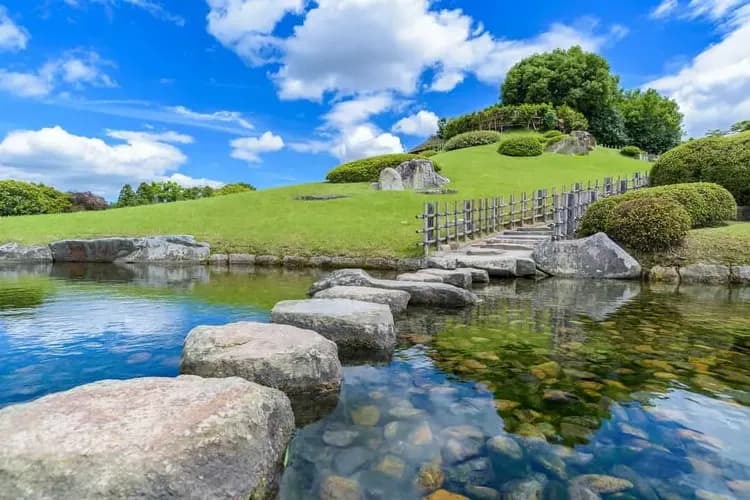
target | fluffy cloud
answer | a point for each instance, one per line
(664, 9)
(250, 148)
(76, 69)
(188, 182)
(713, 89)
(421, 124)
(12, 36)
(246, 26)
(217, 116)
(364, 140)
(68, 161)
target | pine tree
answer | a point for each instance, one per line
(127, 197)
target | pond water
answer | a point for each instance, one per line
(538, 389)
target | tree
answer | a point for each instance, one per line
(742, 126)
(608, 126)
(581, 80)
(146, 194)
(24, 198)
(127, 197)
(237, 187)
(652, 122)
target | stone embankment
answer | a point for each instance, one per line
(701, 274)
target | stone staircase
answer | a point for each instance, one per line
(524, 238)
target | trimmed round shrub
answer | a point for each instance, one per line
(24, 198)
(428, 153)
(368, 169)
(631, 151)
(471, 139)
(598, 216)
(650, 224)
(521, 146)
(552, 133)
(722, 160)
(555, 139)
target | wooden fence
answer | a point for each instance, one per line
(561, 211)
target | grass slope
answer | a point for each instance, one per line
(368, 223)
(728, 244)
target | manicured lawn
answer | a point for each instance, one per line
(368, 223)
(726, 245)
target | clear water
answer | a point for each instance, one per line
(648, 385)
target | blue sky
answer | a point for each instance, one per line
(96, 93)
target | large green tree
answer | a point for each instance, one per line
(652, 122)
(127, 197)
(581, 80)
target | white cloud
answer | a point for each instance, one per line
(713, 89)
(246, 26)
(250, 148)
(76, 69)
(217, 116)
(664, 9)
(712, 9)
(12, 36)
(188, 182)
(346, 113)
(72, 162)
(152, 7)
(421, 124)
(364, 140)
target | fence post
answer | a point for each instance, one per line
(467, 217)
(429, 224)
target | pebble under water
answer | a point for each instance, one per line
(556, 389)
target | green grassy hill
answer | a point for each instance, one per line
(368, 223)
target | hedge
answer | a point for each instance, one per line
(552, 133)
(631, 151)
(428, 153)
(368, 169)
(722, 160)
(521, 146)
(706, 204)
(24, 198)
(471, 139)
(650, 224)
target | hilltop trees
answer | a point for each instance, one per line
(149, 193)
(652, 122)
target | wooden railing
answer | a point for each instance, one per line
(561, 211)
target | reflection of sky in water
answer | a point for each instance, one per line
(79, 336)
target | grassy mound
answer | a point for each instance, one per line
(471, 139)
(522, 146)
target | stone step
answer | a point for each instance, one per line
(523, 236)
(532, 228)
(498, 248)
(541, 232)
(516, 241)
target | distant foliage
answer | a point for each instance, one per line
(428, 153)
(24, 198)
(520, 146)
(235, 188)
(571, 120)
(127, 197)
(149, 193)
(368, 169)
(722, 160)
(650, 224)
(471, 139)
(631, 151)
(87, 201)
(742, 126)
(652, 122)
(608, 126)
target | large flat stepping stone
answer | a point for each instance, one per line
(149, 438)
(361, 330)
(301, 363)
(427, 294)
(397, 300)
(419, 277)
(461, 278)
(507, 265)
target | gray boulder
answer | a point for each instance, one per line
(595, 257)
(741, 274)
(420, 277)
(301, 363)
(132, 250)
(709, 274)
(578, 142)
(390, 180)
(397, 300)
(477, 275)
(361, 330)
(429, 294)
(183, 437)
(461, 278)
(13, 252)
(420, 174)
(509, 264)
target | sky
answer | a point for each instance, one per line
(98, 93)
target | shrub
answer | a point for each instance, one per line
(428, 153)
(706, 204)
(722, 160)
(520, 146)
(650, 224)
(552, 133)
(368, 169)
(555, 139)
(631, 151)
(471, 139)
(87, 201)
(235, 188)
(24, 198)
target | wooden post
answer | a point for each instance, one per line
(429, 225)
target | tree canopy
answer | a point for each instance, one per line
(652, 122)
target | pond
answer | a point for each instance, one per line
(631, 391)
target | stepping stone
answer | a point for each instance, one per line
(461, 278)
(301, 363)
(427, 294)
(361, 330)
(477, 275)
(397, 300)
(419, 277)
(508, 265)
(183, 437)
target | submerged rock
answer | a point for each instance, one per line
(602, 484)
(430, 294)
(523, 489)
(397, 300)
(131, 250)
(594, 257)
(505, 447)
(184, 437)
(301, 363)
(340, 488)
(15, 253)
(359, 329)
(461, 278)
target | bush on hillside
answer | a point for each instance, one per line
(552, 133)
(368, 169)
(722, 160)
(631, 151)
(520, 146)
(706, 204)
(428, 153)
(234, 188)
(471, 139)
(24, 198)
(650, 224)
(555, 139)
(87, 202)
